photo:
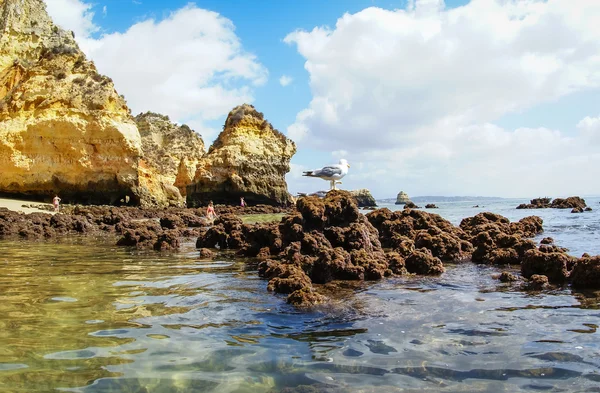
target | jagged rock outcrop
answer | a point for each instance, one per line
(402, 198)
(249, 159)
(364, 198)
(574, 202)
(170, 156)
(63, 127)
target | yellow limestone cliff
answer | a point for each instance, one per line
(63, 127)
(170, 156)
(249, 159)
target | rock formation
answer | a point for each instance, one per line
(63, 127)
(170, 156)
(363, 198)
(573, 202)
(402, 198)
(326, 239)
(249, 159)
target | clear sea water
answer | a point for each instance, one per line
(81, 315)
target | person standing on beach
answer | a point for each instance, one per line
(210, 212)
(242, 202)
(56, 203)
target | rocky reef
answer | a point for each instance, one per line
(324, 240)
(249, 159)
(402, 198)
(576, 203)
(364, 198)
(63, 127)
(327, 239)
(170, 156)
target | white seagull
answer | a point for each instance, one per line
(333, 173)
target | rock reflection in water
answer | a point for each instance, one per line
(82, 316)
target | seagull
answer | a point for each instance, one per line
(333, 173)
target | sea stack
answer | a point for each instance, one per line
(363, 198)
(63, 127)
(402, 198)
(170, 156)
(249, 158)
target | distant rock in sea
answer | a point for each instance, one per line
(63, 127)
(402, 198)
(430, 206)
(576, 203)
(363, 198)
(249, 158)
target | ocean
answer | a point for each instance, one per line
(82, 315)
(579, 232)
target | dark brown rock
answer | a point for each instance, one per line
(586, 273)
(538, 282)
(205, 253)
(508, 277)
(573, 202)
(554, 265)
(305, 297)
(422, 262)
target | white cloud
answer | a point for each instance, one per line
(285, 80)
(190, 65)
(104, 11)
(417, 91)
(73, 15)
(589, 128)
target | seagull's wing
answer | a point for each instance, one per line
(327, 171)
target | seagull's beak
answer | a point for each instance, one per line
(348, 165)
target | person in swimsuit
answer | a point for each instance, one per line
(210, 211)
(56, 203)
(242, 202)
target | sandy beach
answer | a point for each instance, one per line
(17, 205)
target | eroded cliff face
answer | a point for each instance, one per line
(170, 156)
(249, 159)
(63, 127)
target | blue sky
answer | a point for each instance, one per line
(499, 89)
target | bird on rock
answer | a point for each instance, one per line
(332, 173)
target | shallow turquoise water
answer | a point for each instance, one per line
(85, 316)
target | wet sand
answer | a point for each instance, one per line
(17, 205)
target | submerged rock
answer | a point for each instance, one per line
(363, 198)
(249, 159)
(431, 206)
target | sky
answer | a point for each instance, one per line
(431, 97)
